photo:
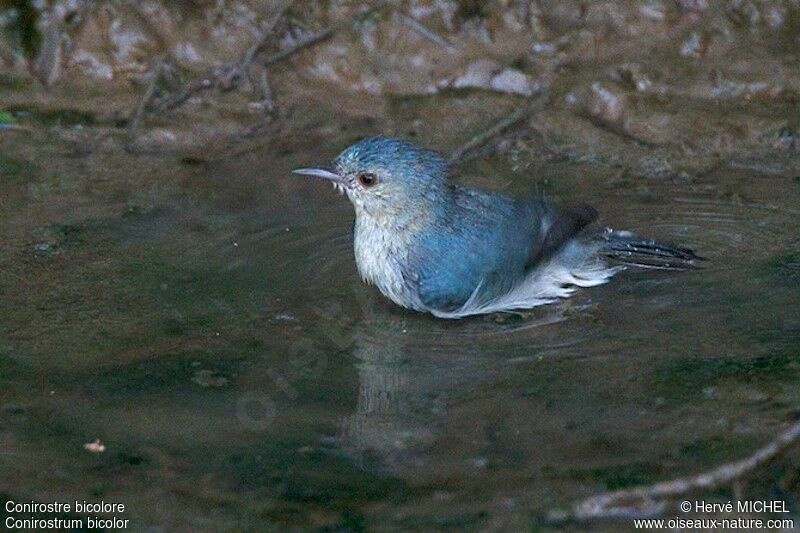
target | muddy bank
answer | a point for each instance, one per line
(686, 82)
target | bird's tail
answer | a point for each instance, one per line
(630, 249)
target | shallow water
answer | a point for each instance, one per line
(176, 293)
(209, 326)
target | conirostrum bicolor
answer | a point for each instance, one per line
(452, 251)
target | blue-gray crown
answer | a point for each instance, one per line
(395, 157)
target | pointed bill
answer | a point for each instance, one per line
(319, 172)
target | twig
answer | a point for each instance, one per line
(426, 32)
(305, 43)
(147, 96)
(236, 74)
(164, 42)
(648, 500)
(618, 129)
(192, 88)
(259, 81)
(230, 78)
(485, 136)
(253, 129)
(324, 34)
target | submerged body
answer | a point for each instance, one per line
(451, 251)
(472, 257)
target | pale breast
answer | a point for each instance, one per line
(382, 260)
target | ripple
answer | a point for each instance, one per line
(720, 229)
(351, 316)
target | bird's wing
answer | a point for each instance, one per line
(556, 227)
(480, 244)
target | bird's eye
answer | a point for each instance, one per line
(367, 180)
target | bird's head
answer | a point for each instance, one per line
(386, 177)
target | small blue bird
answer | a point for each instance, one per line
(452, 251)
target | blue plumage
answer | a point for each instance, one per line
(477, 243)
(432, 246)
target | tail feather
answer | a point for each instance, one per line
(630, 249)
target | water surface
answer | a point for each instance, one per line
(205, 320)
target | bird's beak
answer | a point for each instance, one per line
(319, 172)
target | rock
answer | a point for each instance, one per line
(604, 104)
(695, 45)
(487, 74)
(775, 16)
(91, 66)
(543, 48)
(95, 446)
(512, 82)
(655, 12)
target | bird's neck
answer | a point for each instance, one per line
(382, 249)
(412, 216)
(384, 244)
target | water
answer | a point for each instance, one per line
(177, 294)
(207, 323)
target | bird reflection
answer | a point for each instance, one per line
(394, 420)
(410, 369)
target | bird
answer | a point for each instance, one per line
(436, 247)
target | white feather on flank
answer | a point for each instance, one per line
(547, 283)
